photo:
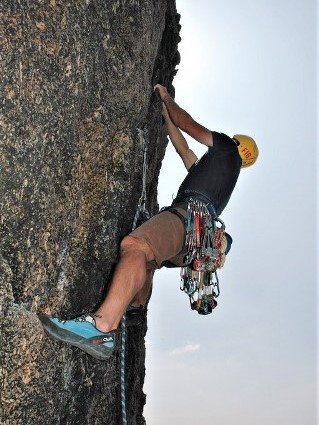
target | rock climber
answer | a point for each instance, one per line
(211, 179)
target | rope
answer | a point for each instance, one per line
(141, 209)
(123, 380)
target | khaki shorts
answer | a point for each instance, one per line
(165, 235)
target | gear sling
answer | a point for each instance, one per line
(205, 249)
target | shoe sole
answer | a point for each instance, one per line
(134, 316)
(133, 321)
(63, 335)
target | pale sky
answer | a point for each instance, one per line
(247, 67)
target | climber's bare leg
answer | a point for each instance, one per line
(143, 295)
(129, 280)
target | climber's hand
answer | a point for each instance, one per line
(161, 90)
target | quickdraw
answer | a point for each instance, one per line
(206, 245)
(142, 213)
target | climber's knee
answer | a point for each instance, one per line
(134, 244)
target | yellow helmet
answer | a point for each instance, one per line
(247, 148)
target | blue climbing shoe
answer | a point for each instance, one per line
(82, 333)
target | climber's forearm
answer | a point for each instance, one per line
(178, 140)
(174, 133)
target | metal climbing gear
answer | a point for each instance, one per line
(141, 215)
(206, 246)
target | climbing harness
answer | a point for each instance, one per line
(141, 215)
(206, 247)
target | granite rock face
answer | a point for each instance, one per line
(76, 82)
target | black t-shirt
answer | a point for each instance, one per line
(214, 176)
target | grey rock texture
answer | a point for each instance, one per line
(76, 81)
